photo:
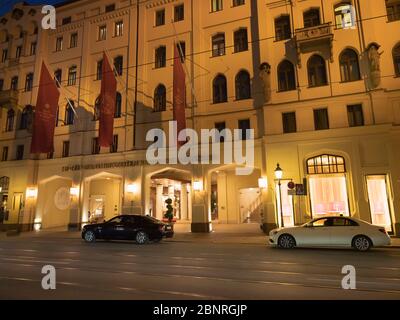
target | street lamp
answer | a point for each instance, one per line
(278, 176)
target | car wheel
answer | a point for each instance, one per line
(90, 236)
(286, 241)
(362, 243)
(142, 237)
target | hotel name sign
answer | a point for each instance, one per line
(106, 165)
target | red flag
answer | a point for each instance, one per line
(179, 100)
(45, 114)
(107, 106)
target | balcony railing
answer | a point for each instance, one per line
(8, 97)
(312, 34)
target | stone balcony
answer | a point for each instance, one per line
(309, 39)
(8, 98)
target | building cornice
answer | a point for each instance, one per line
(155, 4)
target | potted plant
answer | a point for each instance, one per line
(169, 214)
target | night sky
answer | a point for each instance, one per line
(6, 5)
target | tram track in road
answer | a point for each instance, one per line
(274, 273)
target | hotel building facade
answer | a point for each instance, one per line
(317, 80)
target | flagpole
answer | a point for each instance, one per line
(68, 101)
(124, 87)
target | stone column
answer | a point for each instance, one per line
(184, 203)
(159, 201)
(201, 220)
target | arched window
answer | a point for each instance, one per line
(119, 65)
(10, 120)
(160, 98)
(349, 68)
(118, 106)
(316, 71)
(396, 60)
(242, 85)
(326, 164)
(96, 112)
(286, 76)
(344, 15)
(69, 114)
(25, 117)
(219, 89)
(29, 82)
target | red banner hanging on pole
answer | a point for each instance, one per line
(179, 92)
(45, 113)
(107, 106)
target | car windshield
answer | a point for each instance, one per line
(151, 219)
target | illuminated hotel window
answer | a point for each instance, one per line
(328, 186)
(378, 196)
(326, 164)
(216, 5)
(344, 15)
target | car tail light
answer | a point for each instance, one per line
(383, 230)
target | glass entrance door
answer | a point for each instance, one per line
(379, 201)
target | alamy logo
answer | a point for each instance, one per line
(49, 280)
(49, 20)
(349, 280)
(196, 151)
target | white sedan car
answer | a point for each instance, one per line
(332, 231)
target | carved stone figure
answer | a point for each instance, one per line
(374, 65)
(265, 75)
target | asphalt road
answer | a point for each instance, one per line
(189, 270)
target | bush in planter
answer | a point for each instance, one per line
(169, 215)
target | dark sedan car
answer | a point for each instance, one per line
(128, 227)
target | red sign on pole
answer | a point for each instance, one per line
(107, 104)
(45, 114)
